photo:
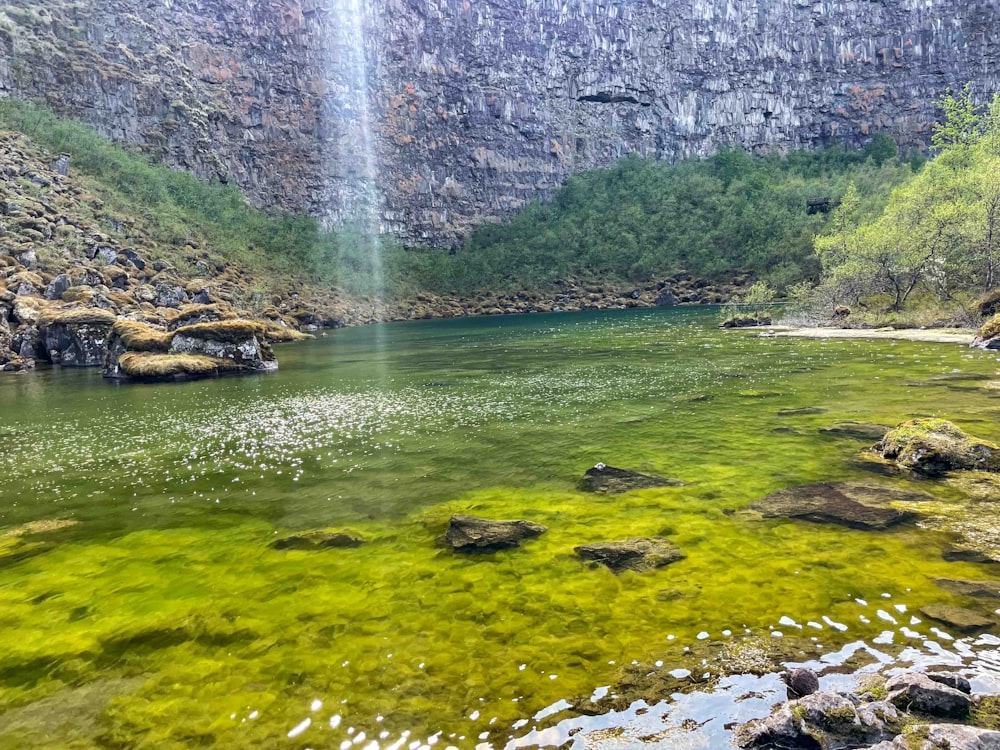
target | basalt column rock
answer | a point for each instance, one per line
(478, 108)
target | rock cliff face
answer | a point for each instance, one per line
(477, 106)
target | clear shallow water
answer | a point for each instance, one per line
(163, 619)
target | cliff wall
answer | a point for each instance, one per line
(477, 106)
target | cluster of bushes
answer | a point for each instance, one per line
(644, 218)
(937, 241)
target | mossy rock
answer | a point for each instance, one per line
(226, 331)
(934, 447)
(153, 366)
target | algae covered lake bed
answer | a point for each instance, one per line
(142, 606)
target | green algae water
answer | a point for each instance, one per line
(142, 606)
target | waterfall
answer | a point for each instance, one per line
(353, 161)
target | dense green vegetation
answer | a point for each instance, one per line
(937, 242)
(643, 218)
(637, 220)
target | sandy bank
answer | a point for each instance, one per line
(931, 335)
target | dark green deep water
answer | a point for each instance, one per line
(163, 619)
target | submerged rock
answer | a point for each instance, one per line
(976, 589)
(935, 446)
(943, 737)
(639, 554)
(473, 534)
(318, 540)
(859, 430)
(916, 692)
(612, 481)
(961, 554)
(821, 721)
(828, 502)
(958, 618)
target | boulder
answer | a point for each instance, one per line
(27, 342)
(170, 295)
(918, 693)
(473, 534)
(837, 503)
(821, 721)
(935, 446)
(943, 737)
(311, 540)
(800, 682)
(239, 341)
(28, 258)
(666, 298)
(867, 431)
(639, 555)
(78, 337)
(131, 257)
(953, 680)
(612, 481)
(958, 618)
(58, 286)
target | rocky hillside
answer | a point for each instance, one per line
(480, 107)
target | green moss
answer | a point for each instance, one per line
(985, 712)
(935, 446)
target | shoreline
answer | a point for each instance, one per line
(924, 335)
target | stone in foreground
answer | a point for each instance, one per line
(639, 555)
(934, 447)
(612, 481)
(943, 737)
(310, 540)
(859, 430)
(918, 693)
(836, 503)
(473, 534)
(800, 682)
(821, 721)
(958, 618)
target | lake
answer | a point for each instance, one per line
(150, 611)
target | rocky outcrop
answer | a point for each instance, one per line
(612, 481)
(638, 555)
(918, 693)
(821, 721)
(77, 337)
(943, 737)
(478, 108)
(141, 352)
(473, 534)
(839, 504)
(935, 446)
